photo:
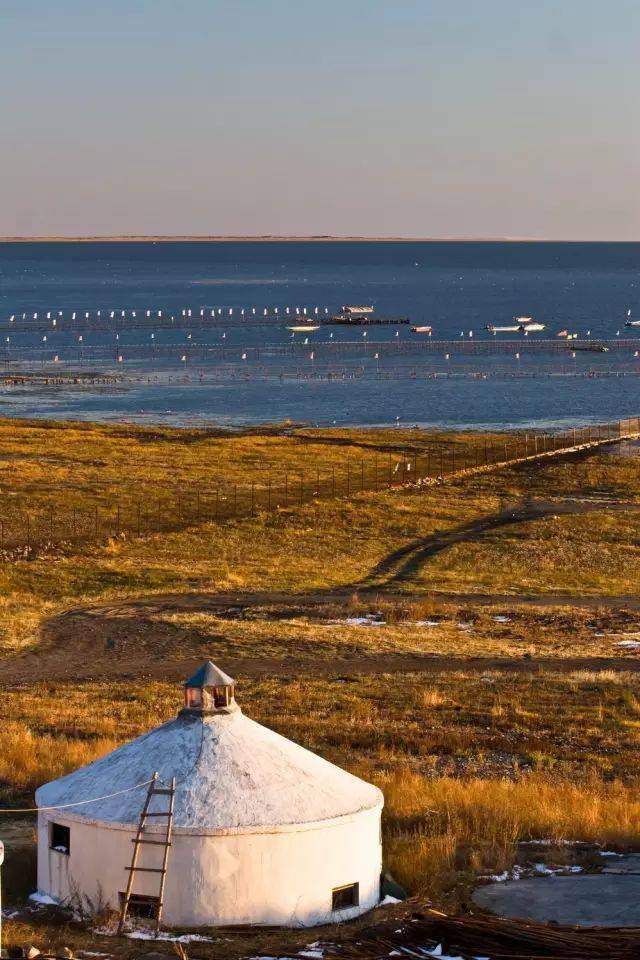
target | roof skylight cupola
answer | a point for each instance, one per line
(209, 691)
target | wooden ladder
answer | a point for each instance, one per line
(140, 839)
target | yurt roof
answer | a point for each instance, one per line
(232, 774)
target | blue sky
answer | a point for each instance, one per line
(368, 117)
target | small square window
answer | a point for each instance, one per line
(144, 908)
(344, 897)
(60, 838)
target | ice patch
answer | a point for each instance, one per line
(501, 619)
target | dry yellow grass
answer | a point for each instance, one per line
(28, 759)
(437, 828)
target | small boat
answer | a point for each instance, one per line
(304, 328)
(590, 347)
(491, 327)
(531, 327)
(421, 329)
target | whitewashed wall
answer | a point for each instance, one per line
(282, 877)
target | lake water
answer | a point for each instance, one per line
(232, 368)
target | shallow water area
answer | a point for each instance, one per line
(211, 339)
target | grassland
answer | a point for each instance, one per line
(486, 718)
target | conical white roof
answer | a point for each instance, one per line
(232, 774)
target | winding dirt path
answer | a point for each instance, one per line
(94, 642)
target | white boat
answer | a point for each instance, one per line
(304, 328)
(531, 327)
(421, 329)
(491, 327)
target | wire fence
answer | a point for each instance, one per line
(26, 533)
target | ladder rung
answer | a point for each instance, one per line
(164, 813)
(164, 792)
(146, 869)
(155, 843)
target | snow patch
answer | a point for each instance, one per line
(501, 619)
(371, 620)
(388, 899)
(183, 938)
(43, 899)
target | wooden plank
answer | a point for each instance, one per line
(156, 843)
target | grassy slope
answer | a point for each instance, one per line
(440, 746)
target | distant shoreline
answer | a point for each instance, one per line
(273, 238)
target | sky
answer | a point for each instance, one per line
(417, 118)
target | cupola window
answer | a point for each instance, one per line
(208, 691)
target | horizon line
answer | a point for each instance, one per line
(280, 238)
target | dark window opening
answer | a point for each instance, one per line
(344, 897)
(220, 697)
(144, 908)
(60, 838)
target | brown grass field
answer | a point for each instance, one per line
(494, 705)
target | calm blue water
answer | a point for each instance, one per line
(196, 371)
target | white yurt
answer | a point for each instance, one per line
(262, 831)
